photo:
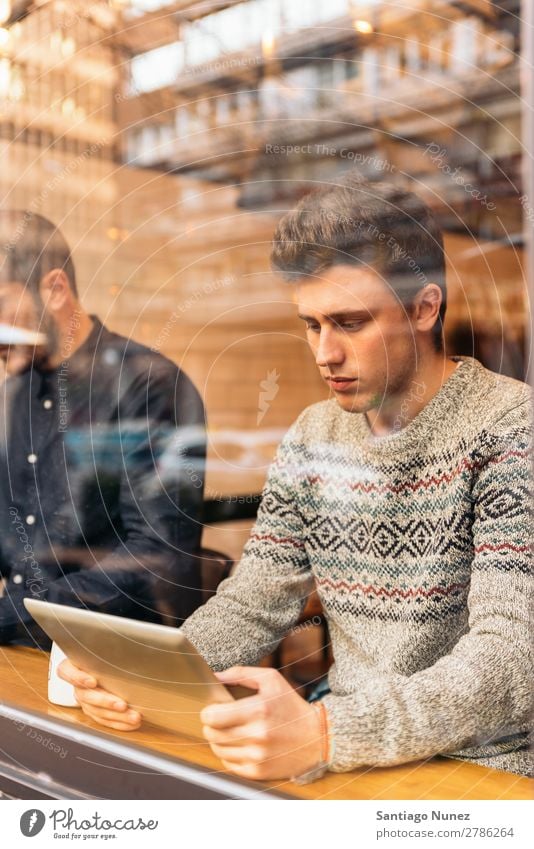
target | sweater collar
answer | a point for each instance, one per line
(438, 408)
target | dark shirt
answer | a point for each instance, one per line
(101, 486)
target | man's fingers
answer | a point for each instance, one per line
(246, 770)
(239, 755)
(128, 721)
(101, 699)
(232, 714)
(228, 736)
(109, 719)
(248, 676)
(70, 673)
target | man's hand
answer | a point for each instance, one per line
(96, 703)
(274, 734)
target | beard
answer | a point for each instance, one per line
(45, 353)
(20, 358)
(384, 387)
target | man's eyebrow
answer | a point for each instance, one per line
(339, 316)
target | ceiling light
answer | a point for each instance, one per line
(68, 106)
(267, 44)
(5, 10)
(68, 47)
(17, 90)
(363, 26)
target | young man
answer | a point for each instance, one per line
(87, 516)
(404, 500)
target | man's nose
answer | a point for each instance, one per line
(329, 351)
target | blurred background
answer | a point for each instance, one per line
(166, 139)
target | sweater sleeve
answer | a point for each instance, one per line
(481, 691)
(254, 608)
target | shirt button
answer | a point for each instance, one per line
(30, 520)
(48, 404)
(17, 579)
(32, 458)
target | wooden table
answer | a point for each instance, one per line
(153, 763)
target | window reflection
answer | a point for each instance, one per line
(167, 139)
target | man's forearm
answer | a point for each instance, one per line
(15, 621)
(248, 616)
(479, 693)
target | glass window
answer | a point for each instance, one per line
(168, 173)
(200, 45)
(135, 8)
(156, 68)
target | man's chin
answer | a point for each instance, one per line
(353, 402)
(19, 361)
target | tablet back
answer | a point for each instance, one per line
(152, 667)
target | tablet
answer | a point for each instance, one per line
(152, 667)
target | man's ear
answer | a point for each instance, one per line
(426, 307)
(55, 290)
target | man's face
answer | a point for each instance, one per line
(18, 308)
(360, 335)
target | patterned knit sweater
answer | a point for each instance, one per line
(419, 545)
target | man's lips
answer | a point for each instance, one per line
(341, 384)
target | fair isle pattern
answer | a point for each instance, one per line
(420, 547)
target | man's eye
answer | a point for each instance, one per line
(313, 327)
(352, 325)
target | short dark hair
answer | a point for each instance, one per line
(30, 247)
(355, 222)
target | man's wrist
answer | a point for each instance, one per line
(325, 750)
